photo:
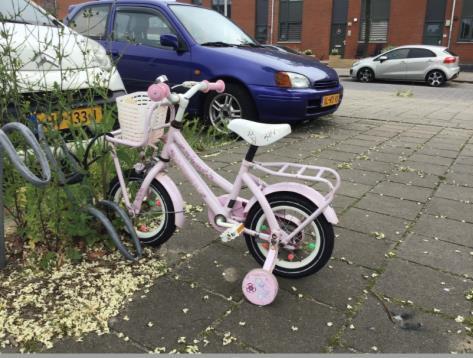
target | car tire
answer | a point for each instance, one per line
(220, 108)
(365, 74)
(435, 78)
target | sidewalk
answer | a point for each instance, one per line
(464, 77)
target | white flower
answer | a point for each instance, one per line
(459, 319)
(294, 328)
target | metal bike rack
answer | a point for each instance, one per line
(7, 147)
(77, 177)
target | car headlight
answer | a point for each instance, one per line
(96, 56)
(291, 80)
(355, 64)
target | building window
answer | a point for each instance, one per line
(290, 20)
(434, 20)
(376, 15)
(197, 2)
(219, 5)
(466, 29)
(261, 26)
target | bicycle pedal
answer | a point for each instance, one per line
(232, 233)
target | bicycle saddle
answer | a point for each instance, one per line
(259, 134)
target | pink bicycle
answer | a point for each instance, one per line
(287, 226)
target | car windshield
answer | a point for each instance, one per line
(22, 11)
(209, 28)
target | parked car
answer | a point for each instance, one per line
(45, 58)
(431, 64)
(187, 42)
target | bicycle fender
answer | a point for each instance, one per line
(176, 198)
(301, 189)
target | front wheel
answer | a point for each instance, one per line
(155, 224)
(365, 75)
(308, 251)
(221, 108)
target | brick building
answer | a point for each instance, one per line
(339, 26)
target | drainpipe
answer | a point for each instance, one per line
(451, 23)
(272, 22)
(225, 9)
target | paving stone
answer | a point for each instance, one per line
(414, 178)
(342, 202)
(426, 287)
(369, 222)
(337, 276)
(338, 156)
(430, 159)
(384, 157)
(463, 179)
(437, 254)
(219, 268)
(464, 160)
(216, 345)
(438, 152)
(349, 148)
(373, 166)
(454, 192)
(374, 329)
(92, 343)
(445, 229)
(361, 249)
(354, 190)
(404, 209)
(452, 209)
(426, 167)
(397, 190)
(460, 168)
(164, 306)
(286, 311)
(360, 176)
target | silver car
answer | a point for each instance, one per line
(431, 64)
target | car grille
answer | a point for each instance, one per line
(325, 84)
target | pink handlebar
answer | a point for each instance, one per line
(218, 86)
(158, 91)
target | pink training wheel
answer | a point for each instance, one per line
(260, 287)
(158, 91)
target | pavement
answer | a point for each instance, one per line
(404, 243)
(464, 77)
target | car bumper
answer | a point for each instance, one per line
(292, 105)
(452, 73)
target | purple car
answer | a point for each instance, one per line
(185, 42)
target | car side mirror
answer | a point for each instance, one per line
(169, 40)
(383, 58)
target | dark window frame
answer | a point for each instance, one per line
(466, 16)
(374, 18)
(258, 25)
(220, 7)
(72, 22)
(284, 26)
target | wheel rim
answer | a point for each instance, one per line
(365, 75)
(150, 221)
(307, 244)
(223, 108)
(435, 79)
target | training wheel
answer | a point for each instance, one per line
(260, 287)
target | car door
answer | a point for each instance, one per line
(418, 61)
(136, 47)
(394, 67)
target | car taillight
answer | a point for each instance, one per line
(450, 59)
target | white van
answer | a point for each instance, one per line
(47, 57)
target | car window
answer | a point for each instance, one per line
(449, 52)
(141, 27)
(420, 53)
(398, 54)
(91, 21)
(23, 12)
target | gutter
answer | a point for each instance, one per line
(451, 23)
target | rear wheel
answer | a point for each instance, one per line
(365, 74)
(435, 78)
(221, 108)
(154, 225)
(308, 251)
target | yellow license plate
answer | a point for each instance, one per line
(331, 100)
(76, 117)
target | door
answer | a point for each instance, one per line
(136, 46)
(418, 61)
(339, 27)
(394, 67)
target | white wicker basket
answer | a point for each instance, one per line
(132, 113)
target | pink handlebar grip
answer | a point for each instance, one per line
(218, 86)
(158, 91)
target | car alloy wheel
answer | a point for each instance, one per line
(365, 75)
(435, 78)
(224, 108)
